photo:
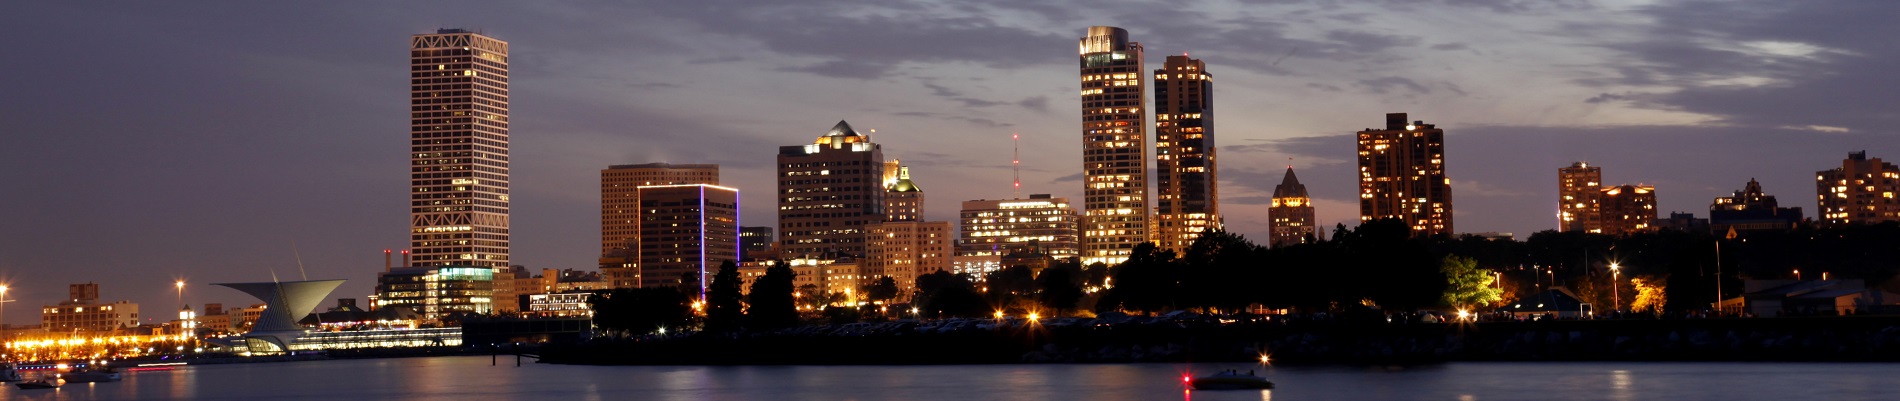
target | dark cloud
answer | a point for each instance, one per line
(1450, 46)
(1390, 85)
(1037, 103)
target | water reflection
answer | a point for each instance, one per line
(1620, 385)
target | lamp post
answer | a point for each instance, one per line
(3, 311)
(1797, 274)
(1615, 294)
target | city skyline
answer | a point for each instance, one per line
(1694, 122)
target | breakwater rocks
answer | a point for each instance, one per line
(1861, 338)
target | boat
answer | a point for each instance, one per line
(37, 384)
(93, 376)
(1230, 380)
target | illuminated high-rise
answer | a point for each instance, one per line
(827, 192)
(458, 149)
(686, 231)
(1862, 190)
(620, 212)
(1578, 207)
(903, 200)
(993, 228)
(1291, 219)
(1402, 176)
(1186, 181)
(1628, 209)
(1114, 146)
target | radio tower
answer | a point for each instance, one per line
(1016, 162)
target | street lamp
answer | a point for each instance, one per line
(1797, 274)
(3, 309)
(181, 292)
(1614, 291)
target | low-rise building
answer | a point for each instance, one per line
(82, 311)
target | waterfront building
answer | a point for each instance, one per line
(756, 243)
(1114, 143)
(286, 302)
(1578, 207)
(620, 211)
(458, 149)
(827, 192)
(903, 200)
(82, 312)
(684, 231)
(1628, 209)
(998, 227)
(437, 291)
(1751, 210)
(1187, 190)
(561, 304)
(507, 301)
(1291, 219)
(904, 250)
(1861, 191)
(1402, 176)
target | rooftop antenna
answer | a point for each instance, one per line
(1016, 162)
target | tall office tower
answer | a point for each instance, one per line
(1577, 203)
(1114, 146)
(686, 232)
(903, 200)
(1628, 209)
(827, 192)
(904, 250)
(756, 243)
(998, 227)
(1750, 209)
(1291, 219)
(1860, 191)
(458, 149)
(620, 196)
(1402, 176)
(1186, 180)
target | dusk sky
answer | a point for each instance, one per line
(142, 142)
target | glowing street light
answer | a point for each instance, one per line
(1618, 298)
(1797, 274)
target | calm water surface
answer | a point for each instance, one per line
(472, 379)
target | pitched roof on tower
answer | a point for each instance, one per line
(1290, 187)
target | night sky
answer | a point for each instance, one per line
(142, 142)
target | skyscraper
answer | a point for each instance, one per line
(1114, 144)
(1862, 191)
(827, 192)
(903, 200)
(1628, 209)
(686, 231)
(620, 196)
(1291, 219)
(1402, 176)
(1186, 180)
(993, 228)
(756, 243)
(458, 149)
(1577, 203)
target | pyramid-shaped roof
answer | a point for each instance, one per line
(1290, 187)
(842, 129)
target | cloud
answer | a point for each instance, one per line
(1388, 85)
(1037, 103)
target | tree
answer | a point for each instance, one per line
(811, 297)
(1060, 288)
(635, 311)
(1650, 294)
(1145, 282)
(950, 295)
(884, 289)
(772, 304)
(724, 311)
(1467, 285)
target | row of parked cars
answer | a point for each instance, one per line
(952, 325)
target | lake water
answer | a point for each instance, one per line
(472, 379)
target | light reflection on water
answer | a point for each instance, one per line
(472, 379)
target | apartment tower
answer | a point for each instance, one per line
(1186, 189)
(1578, 207)
(458, 149)
(1402, 176)
(1114, 144)
(1861, 191)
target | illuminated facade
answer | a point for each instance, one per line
(1186, 180)
(903, 200)
(1114, 146)
(684, 231)
(1402, 176)
(756, 243)
(1291, 219)
(1751, 210)
(1578, 207)
(1861, 191)
(620, 211)
(82, 312)
(1628, 209)
(827, 192)
(286, 302)
(904, 250)
(437, 291)
(458, 149)
(998, 227)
